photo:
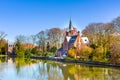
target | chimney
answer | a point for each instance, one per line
(78, 33)
(66, 33)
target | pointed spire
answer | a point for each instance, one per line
(70, 25)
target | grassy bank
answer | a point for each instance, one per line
(3, 55)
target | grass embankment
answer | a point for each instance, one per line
(1, 55)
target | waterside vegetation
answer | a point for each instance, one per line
(104, 43)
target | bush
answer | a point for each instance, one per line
(85, 52)
(98, 54)
(34, 51)
(49, 54)
(72, 52)
(39, 53)
(115, 54)
(20, 53)
(27, 53)
(19, 49)
(53, 49)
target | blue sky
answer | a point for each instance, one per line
(27, 17)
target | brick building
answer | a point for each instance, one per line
(11, 47)
(72, 39)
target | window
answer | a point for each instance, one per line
(9, 45)
(85, 40)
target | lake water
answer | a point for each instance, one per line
(30, 69)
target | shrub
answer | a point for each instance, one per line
(49, 54)
(27, 53)
(53, 49)
(85, 52)
(72, 52)
(98, 54)
(115, 54)
(20, 52)
(34, 51)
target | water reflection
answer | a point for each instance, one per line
(29, 69)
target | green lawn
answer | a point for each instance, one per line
(1, 55)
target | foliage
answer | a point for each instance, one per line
(49, 54)
(2, 35)
(85, 52)
(3, 50)
(27, 53)
(34, 51)
(33, 39)
(115, 53)
(104, 42)
(53, 49)
(101, 36)
(98, 54)
(41, 40)
(55, 36)
(3, 44)
(20, 52)
(116, 23)
(39, 53)
(72, 52)
(19, 49)
(48, 46)
(25, 39)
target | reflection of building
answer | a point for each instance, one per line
(72, 39)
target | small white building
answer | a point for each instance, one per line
(10, 47)
(85, 40)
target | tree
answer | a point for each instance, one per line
(19, 49)
(72, 52)
(27, 53)
(85, 52)
(33, 37)
(24, 39)
(48, 46)
(3, 45)
(34, 51)
(2, 35)
(55, 36)
(90, 32)
(100, 36)
(21, 38)
(115, 53)
(53, 49)
(41, 37)
(116, 23)
(3, 42)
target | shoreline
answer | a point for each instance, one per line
(92, 63)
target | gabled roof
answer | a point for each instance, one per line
(72, 39)
(60, 49)
(68, 38)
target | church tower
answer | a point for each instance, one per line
(70, 25)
